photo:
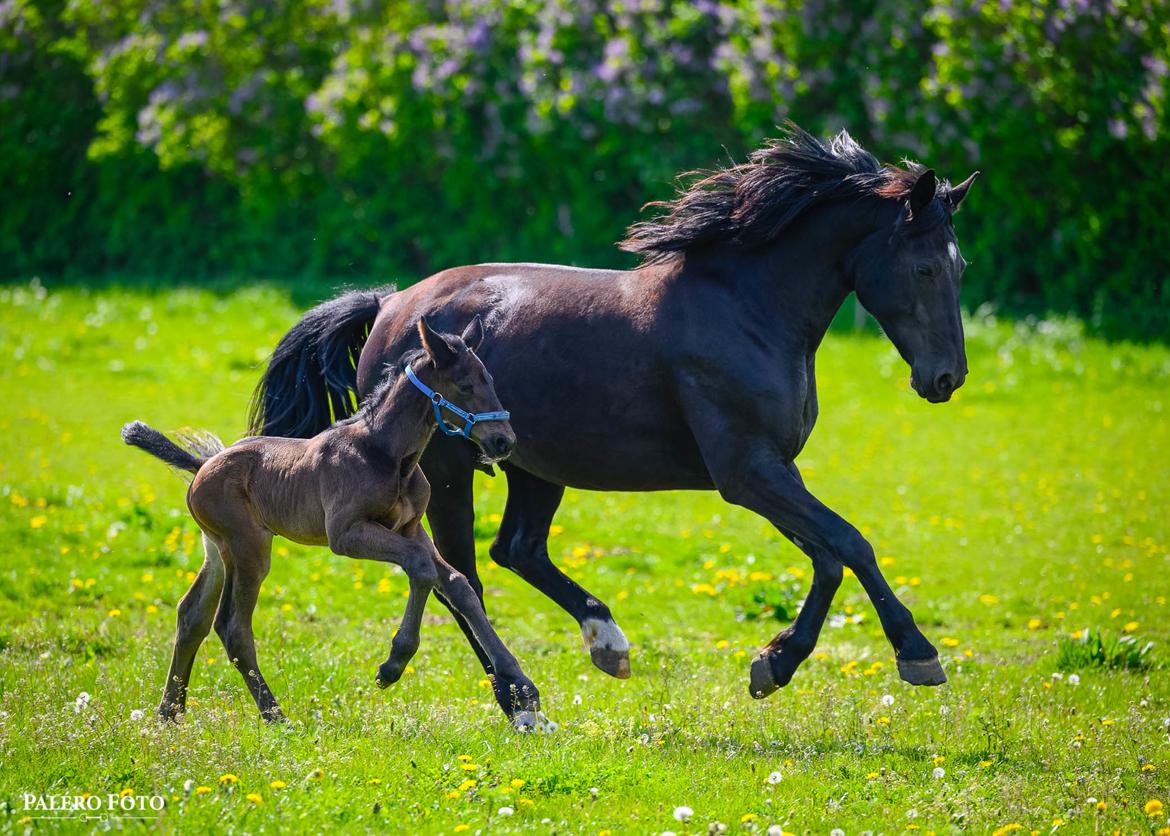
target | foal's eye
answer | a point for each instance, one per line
(925, 270)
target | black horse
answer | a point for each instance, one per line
(694, 371)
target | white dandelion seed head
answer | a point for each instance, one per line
(836, 831)
(137, 714)
(888, 700)
(775, 830)
(188, 785)
(1090, 800)
(775, 778)
(577, 699)
(1073, 679)
(938, 773)
(505, 811)
(683, 814)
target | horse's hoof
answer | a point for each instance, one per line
(763, 682)
(388, 674)
(921, 671)
(533, 721)
(616, 663)
(608, 647)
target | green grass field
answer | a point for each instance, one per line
(1032, 506)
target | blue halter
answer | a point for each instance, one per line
(470, 419)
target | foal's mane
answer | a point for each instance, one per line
(390, 373)
(751, 204)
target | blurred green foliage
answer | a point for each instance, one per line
(365, 140)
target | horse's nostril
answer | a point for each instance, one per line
(944, 383)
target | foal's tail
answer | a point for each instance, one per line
(311, 380)
(197, 447)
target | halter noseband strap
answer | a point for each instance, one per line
(470, 419)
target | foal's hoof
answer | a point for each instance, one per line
(616, 663)
(921, 671)
(533, 721)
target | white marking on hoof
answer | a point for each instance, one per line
(603, 635)
(525, 721)
(546, 725)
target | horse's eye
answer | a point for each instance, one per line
(925, 270)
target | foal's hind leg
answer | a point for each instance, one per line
(247, 557)
(196, 612)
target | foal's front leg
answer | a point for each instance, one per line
(514, 691)
(367, 540)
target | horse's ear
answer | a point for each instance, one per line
(922, 192)
(473, 334)
(436, 345)
(955, 196)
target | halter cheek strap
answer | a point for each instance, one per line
(470, 419)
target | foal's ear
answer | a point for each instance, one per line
(473, 334)
(955, 196)
(922, 192)
(436, 345)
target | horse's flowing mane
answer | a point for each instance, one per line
(750, 204)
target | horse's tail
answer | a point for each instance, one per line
(196, 449)
(311, 380)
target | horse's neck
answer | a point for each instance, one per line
(799, 282)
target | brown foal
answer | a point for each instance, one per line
(355, 487)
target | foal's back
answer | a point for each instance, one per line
(287, 484)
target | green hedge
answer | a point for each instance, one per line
(358, 140)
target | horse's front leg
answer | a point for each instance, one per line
(753, 474)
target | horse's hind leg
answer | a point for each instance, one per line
(196, 613)
(247, 557)
(522, 546)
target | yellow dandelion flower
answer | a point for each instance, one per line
(126, 791)
(938, 760)
(469, 767)
(526, 802)
(38, 521)
(872, 776)
(373, 782)
(1035, 624)
(255, 797)
(202, 790)
(151, 609)
(984, 764)
(228, 779)
(950, 642)
(988, 599)
(721, 644)
(459, 828)
(1131, 627)
(1102, 806)
(485, 683)
(277, 784)
(1147, 767)
(114, 613)
(747, 817)
(883, 720)
(466, 785)
(1153, 807)
(517, 783)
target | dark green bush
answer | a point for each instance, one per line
(357, 140)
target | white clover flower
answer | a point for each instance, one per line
(938, 773)
(505, 811)
(683, 814)
(888, 700)
(775, 778)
